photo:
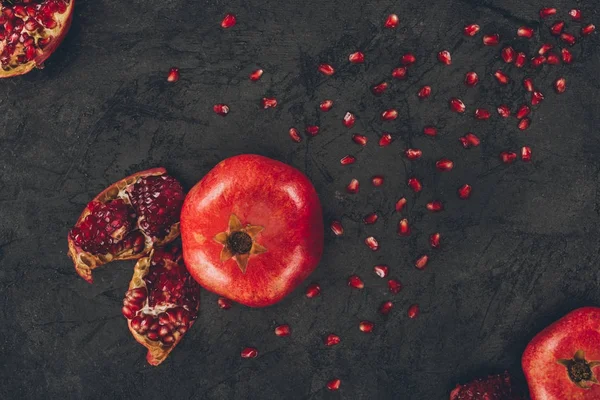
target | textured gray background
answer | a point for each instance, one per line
(521, 253)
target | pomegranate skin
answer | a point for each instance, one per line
(260, 192)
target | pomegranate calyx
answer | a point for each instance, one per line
(580, 370)
(239, 242)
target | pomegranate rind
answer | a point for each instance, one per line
(63, 24)
(86, 262)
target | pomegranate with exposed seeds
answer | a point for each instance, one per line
(495, 387)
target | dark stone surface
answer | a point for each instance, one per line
(520, 253)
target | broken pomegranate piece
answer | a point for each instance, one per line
(162, 302)
(495, 387)
(126, 220)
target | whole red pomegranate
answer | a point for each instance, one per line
(126, 220)
(33, 29)
(252, 230)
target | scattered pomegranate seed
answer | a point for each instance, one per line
(464, 192)
(413, 311)
(469, 140)
(471, 79)
(377, 180)
(482, 113)
(283, 330)
(567, 57)
(503, 111)
(360, 139)
(381, 270)
(370, 218)
(524, 124)
(520, 60)
(536, 98)
(353, 186)
(568, 38)
(546, 47)
(334, 384)
(312, 130)
(400, 204)
(444, 57)
(399, 73)
(528, 84)
(357, 57)
(491, 40)
(349, 120)
(501, 77)
(294, 135)
(526, 153)
(457, 105)
(346, 160)
(386, 307)
(430, 130)
(525, 32)
(403, 227)
(173, 75)
(221, 109)
(326, 69)
(249, 352)
(523, 111)
(471, 30)
(379, 88)
(391, 21)
(538, 61)
(421, 262)
(552, 59)
(268, 102)
(434, 240)
(444, 165)
(228, 21)
(560, 85)
(424, 92)
(435, 206)
(365, 326)
(575, 14)
(408, 59)
(313, 290)
(372, 243)
(415, 184)
(331, 340)
(224, 304)
(326, 105)
(255, 75)
(389, 115)
(508, 54)
(385, 140)
(546, 12)
(337, 228)
(413, 154)
(394, 286)
(557, 28)
(508, 157)
(588, 29)
(355, 282)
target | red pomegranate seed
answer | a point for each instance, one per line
(282, 330)
(457, 105)
(381, 270)
(312, 130)
(520, 60)
(557, 28)
(399, 73)
(357, 57)
(552, 59)
(349, 120)
(508, 54)
(567, 57)
(313, 290)
(575, 14)
(255, 75)
(482, 113)
(568, 38)
(365, 326)
(415, 184)
(444, 57)
(430, 131)
(464, 192)
(434, 240)
(334, 384)
(471, 30)
(588, 29)
(525, 32)
(394, 286)
(444, 165)
(221, 109)
(173, 75)
(386, 307)
(546, 47)
(528, 84)
(560, 85)
(337, 228)
(413, 311)
(508, 157)
(546, 12)
(379, 88)
(491, 40)
(413, 154)
(471, 79)
(355, 282)
(268, 102)
(224, 304)
(294, 135)
(249, 352)
(524, 124)
(372, 243)
(346, 160)
(501, 77)
(370, 218)
(326, 69)
(536, 98)
(331, 340)
(424, 92)
(326, 105)
(526, 153)
(389, 115)
(435, 206)
(360, 139)
(538, 61)
(403, 227)
(391, 21)
(377, 180)
(503, 111)
(385, 140)
(353, 186)
(400, 204)
(228, 21)
(408, 59)
(421, 262)
(523, 111)
(469, 140)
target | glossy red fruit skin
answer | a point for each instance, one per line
(261, 192)
(545, 357)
